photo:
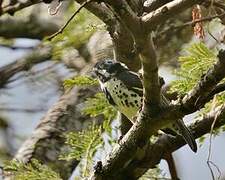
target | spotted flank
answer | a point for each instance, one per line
(120, 97)
(124, 90)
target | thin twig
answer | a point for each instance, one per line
(190, 23)
(209, 162)
(69, 20)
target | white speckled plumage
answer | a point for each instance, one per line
(119, 93)
(124, 90)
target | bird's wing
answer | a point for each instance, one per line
(132, 81)
(185, 132)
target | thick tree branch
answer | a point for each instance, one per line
(151, 5)
(160, 15)
(151, 114)
(125, 14)
(152, 87)
(149, 121)
(124, 48)
(218, 89)
(198, 96)
(168, 144)
(123, 33)
(133, 143)
(122, 38)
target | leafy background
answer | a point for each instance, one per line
(96, 140)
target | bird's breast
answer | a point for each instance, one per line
(126, 101)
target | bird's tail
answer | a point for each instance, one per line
(186, 134)
(183, 130)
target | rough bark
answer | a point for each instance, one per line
(47, 142)
(135, 141)
(199, 94)
(168, 144)
(152, 117)
(130, 31)
(160, 15)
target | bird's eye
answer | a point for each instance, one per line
(109, 62)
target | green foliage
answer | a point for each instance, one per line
(193, 66)
(77, 33)
(98, 105)
(83, 146)
(83, 143)
(31, 171)
(196, 63)
(80, 81)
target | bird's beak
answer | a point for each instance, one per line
(94, 72)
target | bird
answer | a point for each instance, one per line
(124, 90)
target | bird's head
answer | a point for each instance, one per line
(107, 69)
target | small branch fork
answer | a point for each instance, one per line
(168, 144)
(153, 118)
(161, 14)
(150, 119)
(135, 142)
(199, 95)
